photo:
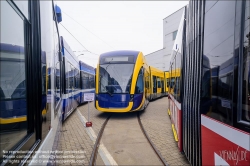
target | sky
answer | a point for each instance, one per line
(94, 27)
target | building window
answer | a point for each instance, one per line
(174, 34)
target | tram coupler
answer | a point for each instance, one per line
(88, 124)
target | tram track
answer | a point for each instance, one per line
(99, 137)
(150, 142)
(97, 142)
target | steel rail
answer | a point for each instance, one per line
(97, 143)
(150, 142)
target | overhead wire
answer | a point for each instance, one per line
(88, 30)
(77, 39)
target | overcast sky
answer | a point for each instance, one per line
(114, 25)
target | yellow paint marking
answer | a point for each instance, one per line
(175, 134)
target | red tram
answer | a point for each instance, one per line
(209, 98)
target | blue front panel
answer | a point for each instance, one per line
(14, 108)
(114, 101)
(137, 100)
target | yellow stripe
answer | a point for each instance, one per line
(44, 112)
(169, 113)
(138, 64)
(13, 120)
(175, 135)
(127, 109)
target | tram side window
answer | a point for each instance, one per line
(172, 83)
(225, 87)
(77, 79)
(69, 75)
(170, 78)
(206, 87)
(176, 89)
(154, 84)
(57, 73)
(146, 79)
(43, 78)
(245, 111)
(91, 81)
(49, 82)
(139, 83)
(85, 80)
(218, 52)
(158, 82)
(167, 82)
(13, 112)
(72, 77)
(66, 77)
(214, 81)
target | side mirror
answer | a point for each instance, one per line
(58, 13)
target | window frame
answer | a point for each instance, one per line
(239, 108)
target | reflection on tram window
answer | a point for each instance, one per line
(13, 112)
(218, 61)
(246, 69)
(91, 81)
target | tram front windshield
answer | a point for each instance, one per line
(115, 78)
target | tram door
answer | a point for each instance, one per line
(162, 87)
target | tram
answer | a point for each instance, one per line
(87, 80)
(78, 78)
(157, 79)
(210, 113)
(29, 47)
(122, 82)
(166, 82)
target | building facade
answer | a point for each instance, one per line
(161, 58)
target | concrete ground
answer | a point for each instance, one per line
(155, 119)
(157, 124)
(126, 143)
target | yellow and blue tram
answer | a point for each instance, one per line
(158, 81)
(166, 82)
(73, 79)
(122, 82)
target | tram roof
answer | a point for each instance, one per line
(121, 53)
